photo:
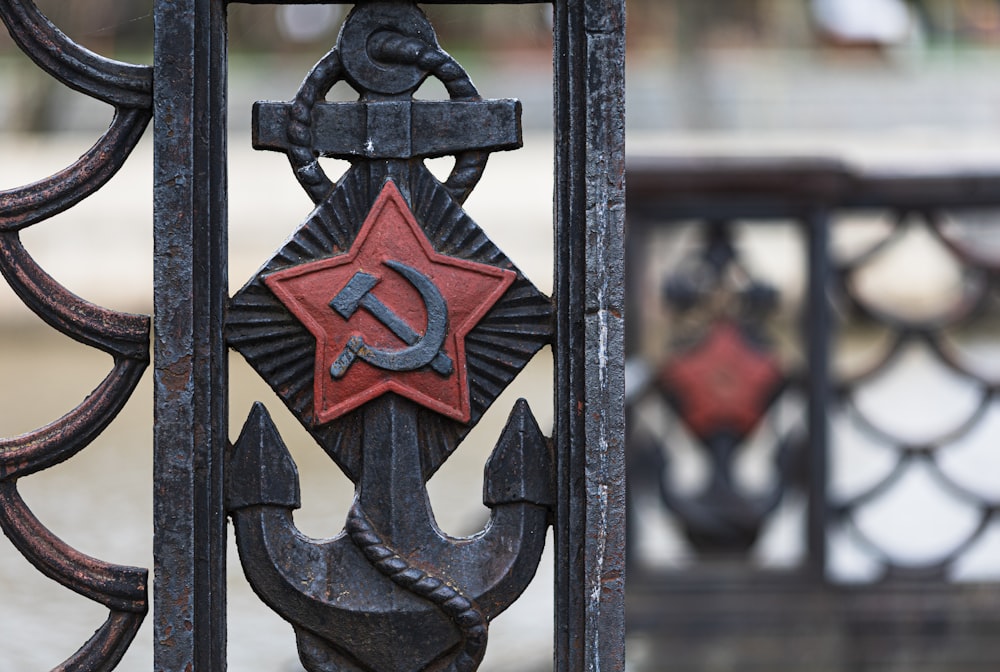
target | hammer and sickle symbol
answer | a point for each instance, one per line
(420, 350)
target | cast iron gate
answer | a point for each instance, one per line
(387, 324)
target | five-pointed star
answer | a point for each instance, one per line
(725, 383)
(390, 233)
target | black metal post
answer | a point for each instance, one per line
(590, 527)
(190, 291)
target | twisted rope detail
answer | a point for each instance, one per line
(389, 47)
(393, 47)
(396, 48)
(304, 161)
(462, 611)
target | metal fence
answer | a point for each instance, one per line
(386, 381)
(812, 417)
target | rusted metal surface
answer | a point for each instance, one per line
(590, 326)
(388, 324)
(125, 337)
(189, 352)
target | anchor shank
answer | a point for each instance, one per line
(391, 490)
(343, 130)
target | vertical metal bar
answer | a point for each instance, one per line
(818, 325)
(589, 146)
(189, 352)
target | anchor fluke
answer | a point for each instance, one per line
(519, 470)
(518, 490)
(260, 470)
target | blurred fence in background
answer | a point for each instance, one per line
(813, 417)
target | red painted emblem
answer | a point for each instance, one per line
(723, 384)
(390, 315)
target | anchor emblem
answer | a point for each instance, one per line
(390, 590)
(405, 265)
(422, 349)
(357, 353)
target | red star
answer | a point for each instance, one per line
(725, 383)
(390, 233)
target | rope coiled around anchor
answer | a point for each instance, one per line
(393, 48)
(396, 48)
(304, 161)
(462, 611)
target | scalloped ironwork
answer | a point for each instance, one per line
(125, 337)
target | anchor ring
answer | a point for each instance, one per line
(382, 38)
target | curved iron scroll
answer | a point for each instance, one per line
(125, 337)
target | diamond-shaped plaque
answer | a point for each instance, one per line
(345, 312)
(725, 383)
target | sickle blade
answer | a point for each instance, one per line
(421, 350)
(437, 309)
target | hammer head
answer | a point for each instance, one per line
(349, 298)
